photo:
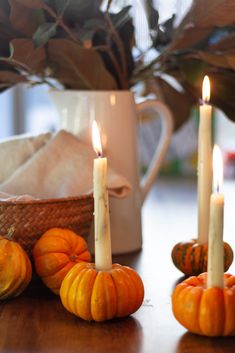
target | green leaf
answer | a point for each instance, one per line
(44, 33)
(121, 17)
(76, 67)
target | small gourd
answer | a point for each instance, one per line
(190, 257)
(55, 253)
(15, 269)
(205, 311)
(98, 295)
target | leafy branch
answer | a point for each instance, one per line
(81, 46)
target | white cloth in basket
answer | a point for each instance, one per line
(61, 166)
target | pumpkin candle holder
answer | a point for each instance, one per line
(101, 291)
(205, 304)
(190, 257)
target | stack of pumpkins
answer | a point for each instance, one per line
(62, 260)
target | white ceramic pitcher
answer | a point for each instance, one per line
(116, 114)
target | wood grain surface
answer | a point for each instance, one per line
(36, 322)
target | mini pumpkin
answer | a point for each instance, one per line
(191, 257)
(15, 269)
(205, 311)
(101, 295)
(55, 253)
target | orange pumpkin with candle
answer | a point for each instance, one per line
(101, 291)
(190, 257)
(101, 295)
(205, 311)
(206, 304)
(15, 269)
(55, 253)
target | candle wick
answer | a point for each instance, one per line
(99, 154)
(203, 101)
(217, 187)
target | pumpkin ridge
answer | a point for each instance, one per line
(81, 246)
(23, 282)
(11, 284)
(116, 288)
(28, 269)
(61, 235)
(192, 256)
(203, 258)
(115, 291)
(67, 283)
(84, 293)
(123, 292)
(85, 253)
(96, 304)
(45, 252)
(18, 272)
(205, 303)
(49, 279)
(189, 317)
(20, 277)
(138, 285)
(73, 288)
(179, 304)
(133, 301)
(53, 270)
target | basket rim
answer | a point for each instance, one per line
(46, 201)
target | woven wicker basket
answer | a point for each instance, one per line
(28, 220)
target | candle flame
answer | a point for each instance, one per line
(217, 168)
(96, 139)
(206, 89)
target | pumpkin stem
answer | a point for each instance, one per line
(73, 257)
(10, 233)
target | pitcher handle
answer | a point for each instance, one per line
(165, 137)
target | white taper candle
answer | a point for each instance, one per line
(103, 253)
(204, 164)
(215, 266)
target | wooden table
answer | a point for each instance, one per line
(36, 322)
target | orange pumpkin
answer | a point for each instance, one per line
(55, 253)
(15, 269)
(101, 295)
(205, 311)
(191, 257)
